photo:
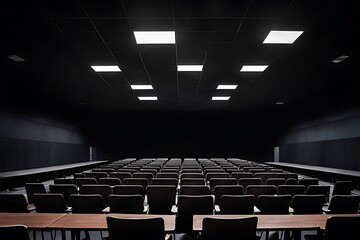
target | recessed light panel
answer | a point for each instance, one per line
(111, 68)
(155, 37)
(141, 87)
(282, 37)
(148, 98)
(227, 87)
(190, 68)
(16, 58)
(224, 98)
(340, 59)
(279, 103)
(253, 68)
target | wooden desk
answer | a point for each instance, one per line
(97, 222)
(31, 220)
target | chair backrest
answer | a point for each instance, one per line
(194, 190)
(221, 190)
(103, 190)
(229, 229)
(32, 188)
(136, 228)
(342, 227)
(146, 175)
(164, 181)
(239, 175)
(96, 175)
(160, 198)
(291, 181)
(290, 189)
(63, 181)
(133, 204)
(212, 175)
(189, 206)
(319, 189)
(18, 232)
(244, 182)
(192, 181)
(264, 176)
(270, 204)
(13, 203)
(275, 181)
(344, 204)
(129, 190)
(287, 175)
(136, 181)
(308, 181)
(308, 204)
(109, 181)
(90, 203)
(192, 175)
(343, 188)
(85, 181)
(258, 190)
(49, 203)
(65, 189)
(221, 181)
(120, 175)
(167, 175)
(237, 204)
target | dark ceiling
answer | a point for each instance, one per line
(59, 41)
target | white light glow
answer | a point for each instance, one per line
(227, 87)
(148, 98)
(253, 68)
(141, 87)
(155, 37)
(224, 98)
(282, 37)
(190, 68)
(340, 59)
(111, 68)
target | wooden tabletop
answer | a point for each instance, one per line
(98, 221)
(31, 220)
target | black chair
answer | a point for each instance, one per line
(85, 181)
(192, 181)
(13, 203)
(16, 232)
(343, 204)
(120, 175)
(109, 181)
(161, 198)
(229, 229)
(221, 190)
(49, 203)
(291, 181)
(221, 181)
(192, 175)
(308, 181)
(258, 190)
(63, 181)
(136, 228)
(236, 204)
(164, 181)
(65, 189)
(290, 189)
(212, 175)
(136, 181)
(308, 204)
(194, 190)
(319, 189)
(103, 190)
(167, 175)
(264, 176)
(240, 175)
(129, 190)
(275, 181)
(32, 188)
(132, 204)
(145, 175)
(343, 188)
(244, 182)
(187, 206)
(270, 204)
(96, 175)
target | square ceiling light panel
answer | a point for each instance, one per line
(141, 87)
(190, 68)
(220, 98)
(253, 68)
(282, 37)
(111, 68)
(154, 37)
(226, 86)
(152, 98)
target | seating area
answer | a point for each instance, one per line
(184, 188)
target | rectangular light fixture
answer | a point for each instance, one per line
(226, 86)
(340, 59)
(190, 68)
(148, 98)
(282, 37)
(253, 68)
(154, 37)
(141, 87)
(16, 58)
(224, 98)
(110, 68)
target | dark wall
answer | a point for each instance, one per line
(31, 141)
(185, 134)
(332, 141)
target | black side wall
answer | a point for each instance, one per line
(333, 141)
(32, 142)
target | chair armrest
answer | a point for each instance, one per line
(68, 209)
(106, 210)
(326, 209)
(31, 207)
(168, 237)
(174, 209)
(146, 209)
(256, 210)
(291, 210)
(217, 209)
